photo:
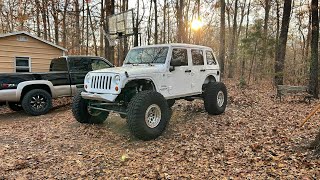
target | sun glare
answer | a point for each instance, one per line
(196, 24)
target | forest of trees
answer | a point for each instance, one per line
(254, 39)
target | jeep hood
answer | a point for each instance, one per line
(132, 70)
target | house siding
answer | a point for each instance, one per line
(39, 52)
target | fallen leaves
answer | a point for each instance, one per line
(257, 137)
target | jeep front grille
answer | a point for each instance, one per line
(102, 82)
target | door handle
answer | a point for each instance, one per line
(202, 70)
(187, 70)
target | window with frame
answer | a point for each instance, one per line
(97, 64)
(210, 58)
(180, 55)
(80, 64)
(197, 57)
(59, 64)
(22, 64)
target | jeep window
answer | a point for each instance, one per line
(59, 64)
(80, 64)
(210, 58)
(99, 64)
(156, 55)
(197, 57)
(180, 55)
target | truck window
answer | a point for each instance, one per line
(59, 64)
(210, 58)
(180, 55)
(197, 57)
(80, 64)
(97, 64)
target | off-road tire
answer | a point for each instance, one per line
(81, 112)
(171, 102)
(15, 106)
(136, 115)
(38, 94)
(210, 97)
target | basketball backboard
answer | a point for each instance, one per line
(121, 24)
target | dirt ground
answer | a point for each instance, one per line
(257, 138)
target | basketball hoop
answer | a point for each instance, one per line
(112, 40)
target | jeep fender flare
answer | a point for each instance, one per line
(211, 78)
(139, 78)
(24, 84)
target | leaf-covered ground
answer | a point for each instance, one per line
(257, 137)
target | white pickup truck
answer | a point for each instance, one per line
(147, 85)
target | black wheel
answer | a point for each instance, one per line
(171, 102)
(15, 106)
(215, 98)
(148, 115)
(37, 102)
(83, 114)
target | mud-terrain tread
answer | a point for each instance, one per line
(210, 98)
(136, 115)
(81, 114)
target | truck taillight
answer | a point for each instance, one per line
(7, 86)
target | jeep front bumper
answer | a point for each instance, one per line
(99, 97)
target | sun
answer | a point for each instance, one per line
(196, 24)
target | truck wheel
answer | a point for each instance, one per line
(215, 98)
(148, 115)
(15, 106)
(37, 102)
(82, 113)
(171, 102)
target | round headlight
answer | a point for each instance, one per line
(87, 78)
(117, 79)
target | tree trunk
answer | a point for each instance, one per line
(77, 37)
(38, 17)
(93, 34)
(64, 28)
(243, 62)
(136, 28)
(164, 21)
(109, 51)
(281, 50)
(44, 19)
(155, 22)
(179, 8)
(233, 41)
(313, 84)
(265, 39)
(222, 48)
(149, 25)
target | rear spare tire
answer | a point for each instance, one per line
(215, 98)
(148, 115)
(82, 113)
(37, 102)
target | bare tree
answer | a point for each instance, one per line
(222, 50)
(314, 72)
(281, 50)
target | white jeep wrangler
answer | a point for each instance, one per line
(147, 85)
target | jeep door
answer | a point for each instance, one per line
(179, 83)
(199, 73)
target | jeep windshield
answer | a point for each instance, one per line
(148, 55)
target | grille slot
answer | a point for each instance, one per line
(101, 82)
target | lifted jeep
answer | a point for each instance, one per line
(145, 88)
